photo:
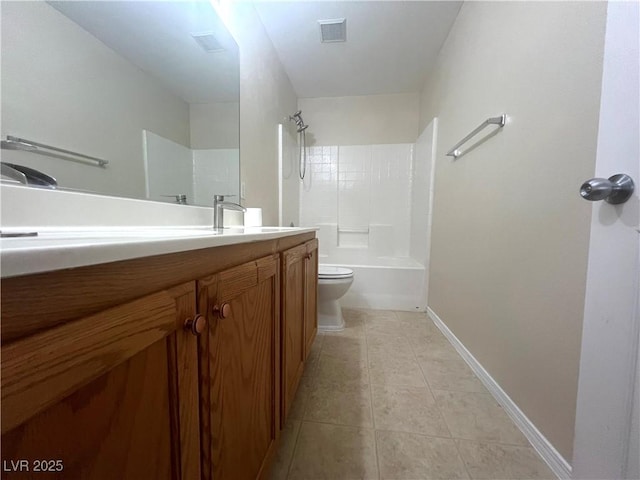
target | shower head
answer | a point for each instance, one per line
(296, 117)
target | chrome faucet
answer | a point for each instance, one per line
(219, 206)
(181, 198)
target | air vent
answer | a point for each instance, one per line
(333, 30)
(208, 42)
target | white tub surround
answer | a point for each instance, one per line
(384, 283)
(359, 197)
(364, 191)
(197, 173)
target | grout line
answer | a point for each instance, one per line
(366, 336)
(416, 433)
(435, 402)
(373, 416)
(484, 392)
(441, 437)
(293, 452)
(304, 409)
(400, 385)
(493, 442)
(367, 333)
(442, 416)
(481, 442)
(318, 422)
(464, 464)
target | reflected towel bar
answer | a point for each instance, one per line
(500, 121)
(15, 143)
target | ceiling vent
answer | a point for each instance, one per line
(208, 42)
(333, 30)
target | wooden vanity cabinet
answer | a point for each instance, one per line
(311, 295)
(102, 367)
(299, 315)
(111, 395)
(239, 370)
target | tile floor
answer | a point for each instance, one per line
(390, 398)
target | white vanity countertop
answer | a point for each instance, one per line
(60, 248)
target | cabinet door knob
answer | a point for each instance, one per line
(196, 325)
(222, 311)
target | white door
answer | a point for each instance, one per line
(606, 445)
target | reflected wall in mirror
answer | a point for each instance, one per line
(151, 87)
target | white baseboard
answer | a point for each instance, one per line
(547, 451)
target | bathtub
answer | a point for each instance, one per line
(382, 283)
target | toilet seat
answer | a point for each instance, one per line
(327, 272)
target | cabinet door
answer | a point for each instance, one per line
(239, 365)
(293, 323)
(311, 295)
(97, 398)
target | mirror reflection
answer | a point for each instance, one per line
(126, 98)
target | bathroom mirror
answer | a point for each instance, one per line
(141, 97)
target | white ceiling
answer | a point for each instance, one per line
(156, 36)
(390, 47)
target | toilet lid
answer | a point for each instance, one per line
(325, 271)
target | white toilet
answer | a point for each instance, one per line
(333, 283)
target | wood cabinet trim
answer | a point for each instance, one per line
(311, 245)
(42, 369)
(187, 376)
(167, 290)
(294, 255)
(206, 288)
(215, 289)
(299, 317)
(65, 295)
(311, 295)
(292, 334)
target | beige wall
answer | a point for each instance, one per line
(214, 125)
(364, 120)
(63, 87)
(510, 232)
(267, 98)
